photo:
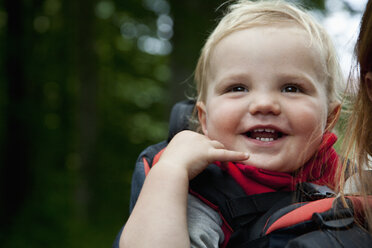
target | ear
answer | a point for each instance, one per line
(368, 82)
(333, 115)
(202, 115)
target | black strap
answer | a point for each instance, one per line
(311, 192)
(238, 209)
(249, 235)
(217, 187)
(245, 209)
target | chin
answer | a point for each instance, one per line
(268, 166)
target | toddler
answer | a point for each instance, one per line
(266, 84)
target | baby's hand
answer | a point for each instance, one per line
(194, 152)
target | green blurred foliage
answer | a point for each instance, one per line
(94, 86)
(88, 101)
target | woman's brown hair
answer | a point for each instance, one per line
(358, 139)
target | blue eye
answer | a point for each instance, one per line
(238, 89)
(291, 89)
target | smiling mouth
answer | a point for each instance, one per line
(264, 134)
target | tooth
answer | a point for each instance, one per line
(264, 139)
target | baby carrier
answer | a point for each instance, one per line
(310, 216)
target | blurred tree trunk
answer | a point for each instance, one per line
(15, 176)
(193, 21)
(87, 109)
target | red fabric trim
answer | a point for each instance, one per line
(301, 214)
(146, 166)
(227, 233)
(157, 157)
(359, 204)
(322, 167)
(257, 181)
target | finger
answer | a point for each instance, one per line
(224, 155)
(216, 144)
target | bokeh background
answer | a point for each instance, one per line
(85, 86)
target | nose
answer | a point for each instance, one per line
(265, 104)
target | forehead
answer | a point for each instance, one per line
(281, 44)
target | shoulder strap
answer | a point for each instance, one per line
(215, 188)
(320, 223)
(238, 211)
(141, 168)
(252, 217)
(150, 152)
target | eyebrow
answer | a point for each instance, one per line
(222, 83)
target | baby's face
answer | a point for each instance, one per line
(267, 96)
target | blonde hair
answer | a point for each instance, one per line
(245, 14)
(358, 141)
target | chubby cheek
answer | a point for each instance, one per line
(311, 120)
(222, 120)
(311, 129)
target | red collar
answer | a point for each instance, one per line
(320, 169)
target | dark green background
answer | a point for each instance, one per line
(79, 101)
